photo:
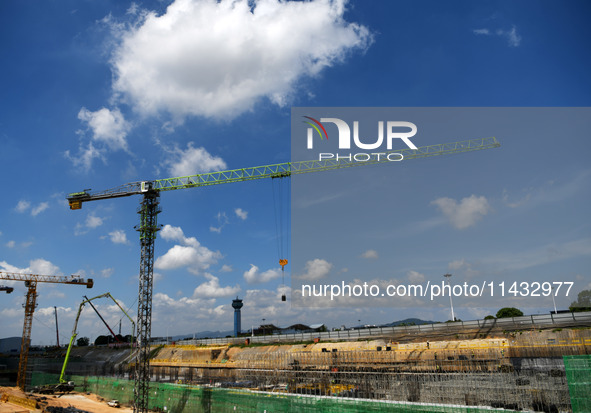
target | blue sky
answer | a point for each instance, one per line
(97, 94)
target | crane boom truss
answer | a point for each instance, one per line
(274, 170)
(149, 209)
(66, 279)
(300, 167)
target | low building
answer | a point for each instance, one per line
(10, 345)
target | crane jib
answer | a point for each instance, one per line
(281, 170)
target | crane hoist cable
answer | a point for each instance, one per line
(281, 204)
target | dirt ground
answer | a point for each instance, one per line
(88, 402)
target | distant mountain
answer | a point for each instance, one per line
(408, 321)
(204, 334)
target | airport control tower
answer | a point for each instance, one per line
(237, 304)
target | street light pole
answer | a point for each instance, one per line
(553, 301)
(448, 276)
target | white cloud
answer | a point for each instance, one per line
(217, 58)
(240, 213)
(22, 206)
(192, 254)
(222, 219)
(107, 272)
(190, 314)
(226, 268)
(554, 191)
(177, 256)
(316, 269)
(463, 267)
(44, 267)
(457, 264)
(39, 208)
(518, 203)
(37, 266)
(108, 126)
(93, 221)
(109, 131)
(415, 277)
(118, 237)
(513, 38)
(171, 233)
(253, 275)
(12, 244)
(370, 254)
(212, 289)
(86, 155)
(465, 213)
(191, 161)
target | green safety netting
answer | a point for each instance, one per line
(177, 398)
(578, 376)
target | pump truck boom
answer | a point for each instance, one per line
(65, 386)
(103, 320)
(149, 210)
(75, 333)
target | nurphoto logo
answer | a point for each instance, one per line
(393, 130)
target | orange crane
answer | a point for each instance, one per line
(31, 281)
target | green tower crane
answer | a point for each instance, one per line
(149, 210)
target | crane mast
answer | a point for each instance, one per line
(57, 330)
(149, 210)
(31, 281)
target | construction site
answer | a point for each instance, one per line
(532, 363)
(520, 364)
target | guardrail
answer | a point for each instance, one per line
(513, 323)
